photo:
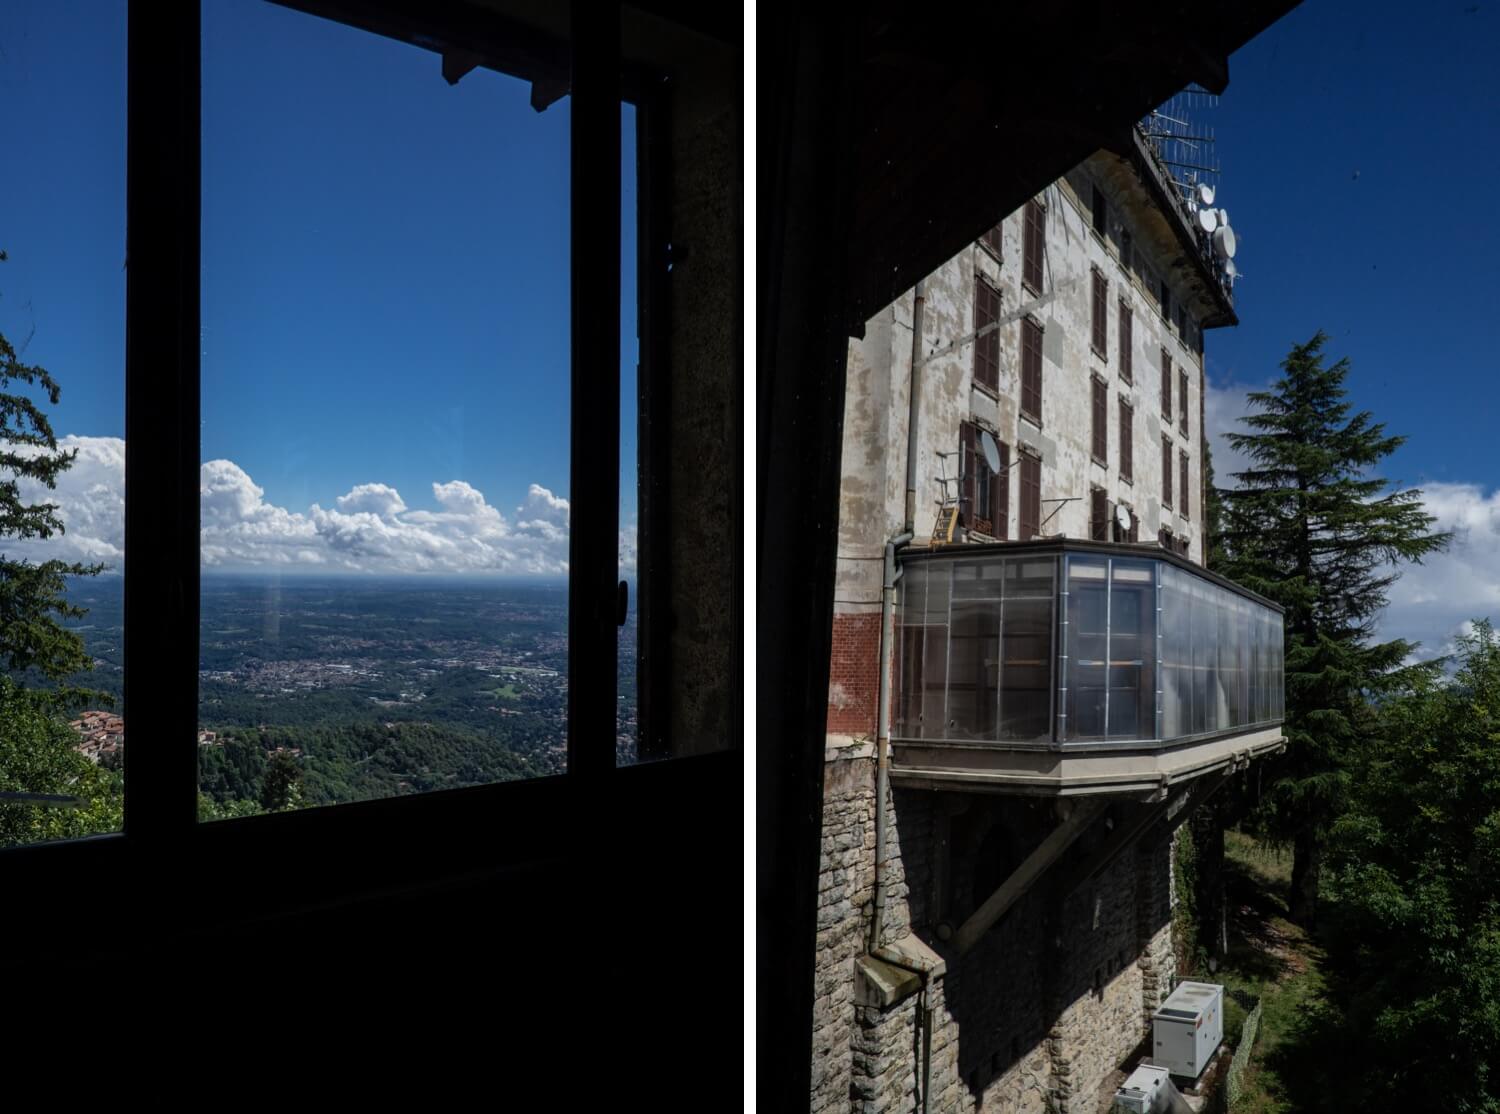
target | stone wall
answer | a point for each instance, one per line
(1047, 1004)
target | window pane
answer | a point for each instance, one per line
(385, 478)
(62, 318)
(1087, 647)
(627, 701)
(1026, 649)
(1132, 649)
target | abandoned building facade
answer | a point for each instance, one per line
(1030, 666)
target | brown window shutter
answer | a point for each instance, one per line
(991, 239)
(1098, 515)
(1127, 323)
(1184, 503)
(1101, 332)
(1166, 472)
(1000, 493)
(1182, 400)
(1031, 265)
(1031, 496)
(1031, 370)
(987, 347)
(1127, 441)
(1166, 384)
(967, 459)
(1101, 421)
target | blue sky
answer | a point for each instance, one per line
(385, 256)
(1359, 145)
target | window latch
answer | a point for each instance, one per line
(622, 603)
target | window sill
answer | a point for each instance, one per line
(1101, 463)
(1028, 288)
(1032, 418)
(991, 252)
(1124, 479)
(986, 389)
(1099, 355)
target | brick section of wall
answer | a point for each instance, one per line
(854, 674)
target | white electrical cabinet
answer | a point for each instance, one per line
(1145, 1092)
(1188, 1027)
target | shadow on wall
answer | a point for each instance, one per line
(1077, 966)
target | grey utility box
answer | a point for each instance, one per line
(1188, 1027)
(1147, 1091)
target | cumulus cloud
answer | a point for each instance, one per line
(369, 529)
(1223, 407)
(1432, 603)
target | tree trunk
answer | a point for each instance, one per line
(1208, 842)
(1302, 900)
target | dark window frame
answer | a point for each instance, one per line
(1099, 517)
(1182, 400)
(1126, 329)
(1184, 505)
(421, 839)
(1127, 441)
(993, 239)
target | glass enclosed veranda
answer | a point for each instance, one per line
(1078, 644)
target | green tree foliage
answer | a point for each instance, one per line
(1311, 527)
(33, 596)
(37, 755)
(281, 786)
(1415, 878)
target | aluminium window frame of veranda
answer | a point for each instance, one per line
(916, 659)
(165, 870)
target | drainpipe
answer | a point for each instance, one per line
(918, 303)
(883, 732)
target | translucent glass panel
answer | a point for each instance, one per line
(1221, 658)
(1146, 651)
(1110, 648)
(975, 649)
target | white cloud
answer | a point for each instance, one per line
(369, 529)
(1435, 601)
(1223, 407)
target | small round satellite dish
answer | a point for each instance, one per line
(1205, 193)
(1208, 220)
(991, 453)
(1224, 244)
(1223, 217)
(1122, 519)
(1231, 270)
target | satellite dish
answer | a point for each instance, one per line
(1223, 218)
(1231, 270)
(1208, 219)
(991, 453)
(1205, 193)
(1224, 244)
(1122, 518)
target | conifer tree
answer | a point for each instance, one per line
(1313, 528)
(33, 594)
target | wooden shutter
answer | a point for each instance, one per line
(968, 445)
(1166, 472)
(1127, 324)
(1000, 493)
(1127, 441)
(987, 347)
(1098, 515)
(1101, 332)
(1183, 503)
(1101, 421)
(1182, 400)
(1031, 495)
(1166, 384)
(991, 239)
(1031, 370)
(1031, 246)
